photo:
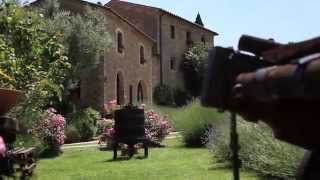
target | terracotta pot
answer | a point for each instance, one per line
(8, 98)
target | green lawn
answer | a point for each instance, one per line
(165, 110)
(171, 163)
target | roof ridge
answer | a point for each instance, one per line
(162, 10)
(136, 4)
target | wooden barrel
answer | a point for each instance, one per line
(129, 123)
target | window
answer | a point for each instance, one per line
(173, 63)
(120, 42)
(131, 94)
(140, 93)
(203, 40)
(188, 38)
(101, 58)
(173, 32)
(142, 59)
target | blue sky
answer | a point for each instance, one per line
(283, 20)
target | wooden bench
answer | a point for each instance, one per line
(24, 157)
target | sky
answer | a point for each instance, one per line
(283, 20)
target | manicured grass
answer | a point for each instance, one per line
(171, 163)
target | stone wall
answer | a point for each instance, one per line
(100, 84)
(127, 64)
(157, 23)
(175, 48)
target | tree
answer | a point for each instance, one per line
(194, 68)
(32, 59)
(84, 36)
(199, 20)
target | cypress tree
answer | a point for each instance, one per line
(199, 20)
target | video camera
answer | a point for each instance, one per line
(224, 65)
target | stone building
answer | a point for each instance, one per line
(148, 44)
(173, 35)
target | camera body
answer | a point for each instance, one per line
(224, 65)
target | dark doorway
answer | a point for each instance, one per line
(120, 89)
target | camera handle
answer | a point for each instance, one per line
(234, 145)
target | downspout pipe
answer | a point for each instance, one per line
(161, 51)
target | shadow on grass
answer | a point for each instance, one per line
(105, 149)
(50, 153)
(125, 158)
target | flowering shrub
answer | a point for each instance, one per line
(2, 147)
(110, 106)
(156, 127)
(105, 129)
(51, 129)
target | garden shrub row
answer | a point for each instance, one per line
(259, 151)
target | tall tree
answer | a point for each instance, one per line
(199, 20)
(84, 35)
(194, 67)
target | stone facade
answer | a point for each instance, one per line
(146, 56)
(169, 51)
(118, 76)
(173, 49)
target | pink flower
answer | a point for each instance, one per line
(105, 106)
(142, 106)
(2, 147)
(51, 110)
(51, 128)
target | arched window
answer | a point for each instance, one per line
(120, 42)
(120, 89)
(142, 59)
(140, 93)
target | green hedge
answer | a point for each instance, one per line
(163, 95)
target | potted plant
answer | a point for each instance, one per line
(8, 97)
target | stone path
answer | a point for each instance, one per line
(95, 142)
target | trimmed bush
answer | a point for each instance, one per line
(72, 135)
(260, 151)
(163, 95)
(181, 97)
(193, 121)
(85, 121)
